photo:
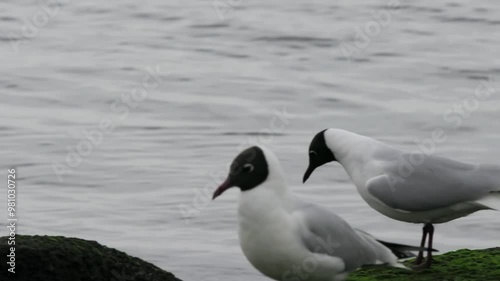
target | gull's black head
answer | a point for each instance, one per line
(248, 170)
(319, 154)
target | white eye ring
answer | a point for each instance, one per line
(248, 168)
(312, 152)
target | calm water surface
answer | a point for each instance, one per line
(229, 72)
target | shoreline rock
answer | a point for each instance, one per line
(461, 265)
(57, 258)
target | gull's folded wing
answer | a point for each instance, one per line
(433, 183)
(326, 233)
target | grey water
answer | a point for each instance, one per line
(213, 77)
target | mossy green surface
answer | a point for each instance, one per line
(461, 265)
(51, 258)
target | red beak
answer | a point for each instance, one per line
(223, 187)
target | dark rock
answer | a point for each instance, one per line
(54, 258)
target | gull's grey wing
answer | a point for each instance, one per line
(435, 182)
(324, 232)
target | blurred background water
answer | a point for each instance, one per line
(232, 65)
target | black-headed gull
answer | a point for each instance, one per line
(288, 239)
(408, 186)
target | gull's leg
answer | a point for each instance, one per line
(420, 256)
(428, 229)
(428, 260)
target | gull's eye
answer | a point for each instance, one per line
(247, 168)
(313, 153)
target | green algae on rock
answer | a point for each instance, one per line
(461, 265)
(55, 258)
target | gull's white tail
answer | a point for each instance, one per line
(491, 201)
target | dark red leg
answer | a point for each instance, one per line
(419, 265)
(420, 257)
(428, 260)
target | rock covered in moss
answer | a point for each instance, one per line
(461, 265)
(51, 258)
